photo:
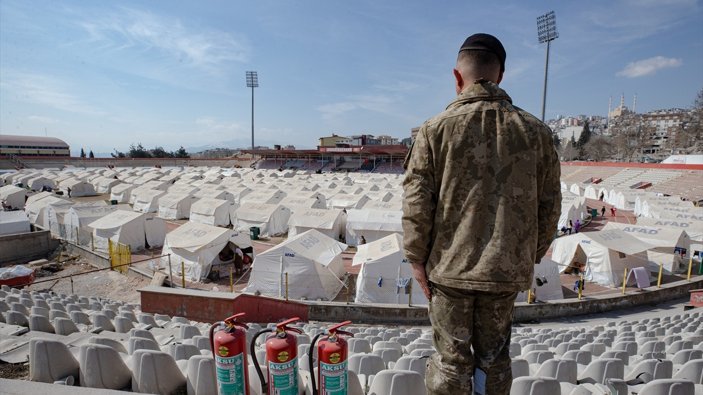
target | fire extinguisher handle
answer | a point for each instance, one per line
(345, 333)
(335, 328)
(232, 321)
(282, 326)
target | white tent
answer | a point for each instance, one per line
(680, 212)
(270, 196)
(12, 222)
(386, 275)
(55, 218)
(147, 201)
(667, 244)
(347, 201)
(312, 261)
(151, 185)
(693, 228)
(13, 197)
(211, 211)
(572, 208)
(128, 227)
(295, 203)
(105, 184)
(327, 222)
(121, 192)
(606, 254)
(391, 205)
(549, 285)
(37, 210)
(79, 216)
(175, 205)
(576, 189)
(213, 193)
(372, 224)
(271, 219)
(197, 246)
(39, 182)
(74, 187)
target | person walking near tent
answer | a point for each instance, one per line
(362, 240)
(238, 261)
(612, 211)
(482, 201)
(577, 226)
(602, 212)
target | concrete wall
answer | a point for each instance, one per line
(206, 306)
(24, 247)
(212, 306)
(55, 162)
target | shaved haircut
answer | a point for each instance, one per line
(476, 64)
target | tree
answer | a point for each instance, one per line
(181, 153)
(91, 155)
(569, 151)
(584, 136)
(599, 148)
(159, 152)
(118, 154)
(138, 151)
(82, 153)
(557, 140)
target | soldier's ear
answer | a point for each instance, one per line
(500, 78)
(459, 81)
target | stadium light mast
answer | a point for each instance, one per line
(546, 32)
(252, 82)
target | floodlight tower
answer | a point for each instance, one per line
(252, 82)
(546, 32)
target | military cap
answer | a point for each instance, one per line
(485, 42)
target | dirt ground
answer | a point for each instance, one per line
(106, 283)
(18, 371)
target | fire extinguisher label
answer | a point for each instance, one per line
(334, 378)
(283, 377)
(230, 374)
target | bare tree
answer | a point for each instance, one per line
(599, 148)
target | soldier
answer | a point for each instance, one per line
(482, 202)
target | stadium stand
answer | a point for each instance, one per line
(109, 345)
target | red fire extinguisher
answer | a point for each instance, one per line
(281, 359)
(332, 350)
(229, 348)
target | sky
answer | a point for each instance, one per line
(102, 75)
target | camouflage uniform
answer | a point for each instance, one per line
(482, 200)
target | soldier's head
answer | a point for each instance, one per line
(481, 56)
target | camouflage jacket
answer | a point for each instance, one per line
(482, 193)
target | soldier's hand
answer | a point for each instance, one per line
(421, 277)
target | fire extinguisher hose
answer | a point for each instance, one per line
(311, 351)
(252, 351)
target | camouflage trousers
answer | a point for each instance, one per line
(463, 320)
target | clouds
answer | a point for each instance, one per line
(649, 66)
(46, 90)
(376, 102)
(206, 49)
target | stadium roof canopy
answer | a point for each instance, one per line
(31, 141)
